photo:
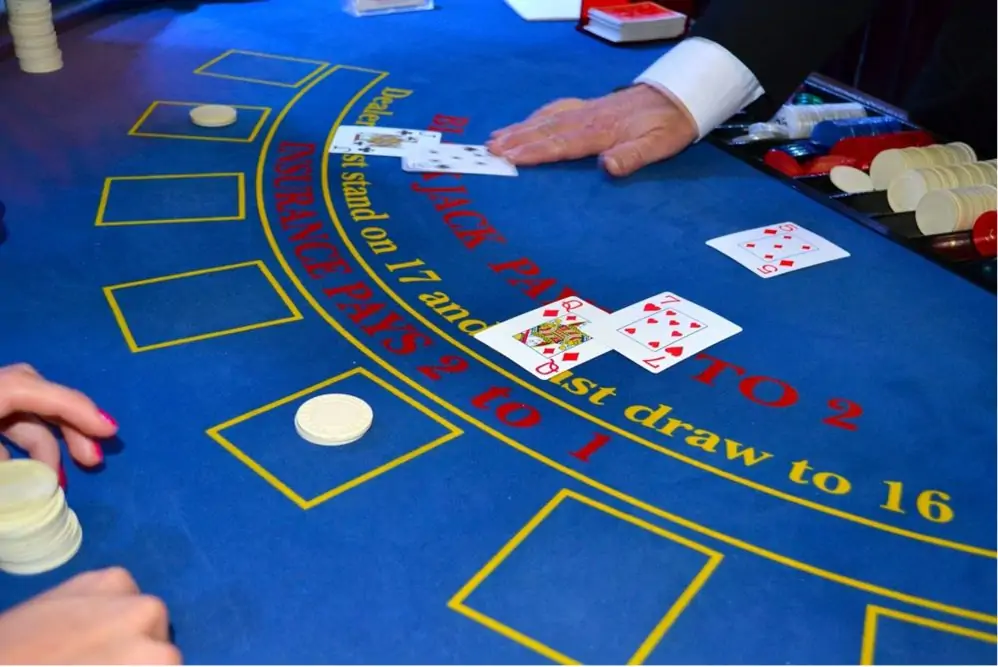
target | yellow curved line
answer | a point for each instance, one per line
(872, 523)
(610, 491)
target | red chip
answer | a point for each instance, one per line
(820, 166)
(985, 235)
(864, 149)
(783, 163)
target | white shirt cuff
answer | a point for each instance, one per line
(712, 83)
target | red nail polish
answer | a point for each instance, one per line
(99, 453)
(108, 418)
(62, 477)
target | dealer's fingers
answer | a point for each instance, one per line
(626, 158)
(570, 144)
(548, 109)
(567, 136)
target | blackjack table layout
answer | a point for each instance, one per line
(818, 488)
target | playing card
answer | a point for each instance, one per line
(457, 159)
(659, 332)
(371, 5)
(549, 339)
(389, 141)
(783, 248)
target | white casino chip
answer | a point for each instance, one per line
(850, 179)
(333, 419)
(25, 482)
(213, 115)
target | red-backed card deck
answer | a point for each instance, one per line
(549, 339)
(777, 249)
(635, 12)
(659, 332)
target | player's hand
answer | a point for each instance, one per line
(628, 129)
(30, 405)
(96, 618)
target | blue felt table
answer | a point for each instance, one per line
(821, 489)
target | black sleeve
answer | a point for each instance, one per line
(782, 41)
(954, 93)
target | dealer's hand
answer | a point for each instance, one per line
(628, 129)
(29, 403)
(96, 618)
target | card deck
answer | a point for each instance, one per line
(638, 11)
(549, 339)
(659, 332)
(388, 141)
(457, 159)
(778, 249)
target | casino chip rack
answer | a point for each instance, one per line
(870, 209)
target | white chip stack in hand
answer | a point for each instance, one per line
(38, 531)
(35, 41)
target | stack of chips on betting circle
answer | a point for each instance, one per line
(38, 531)
(35, 41)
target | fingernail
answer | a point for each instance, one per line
(99, 453)
(108, 418)
(62, 477)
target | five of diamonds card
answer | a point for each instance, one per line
(771, 251)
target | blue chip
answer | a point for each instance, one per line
(828, 132)
(802, 150)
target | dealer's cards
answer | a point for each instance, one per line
(661, 331)
(457, 159)
(771, 251)
(392, 142)
(549, 339)
(420, 151)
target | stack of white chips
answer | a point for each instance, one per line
(905, 191)
(35, 41)
(38, 531)
(944, 184)
(956, 210)
(893, 162)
